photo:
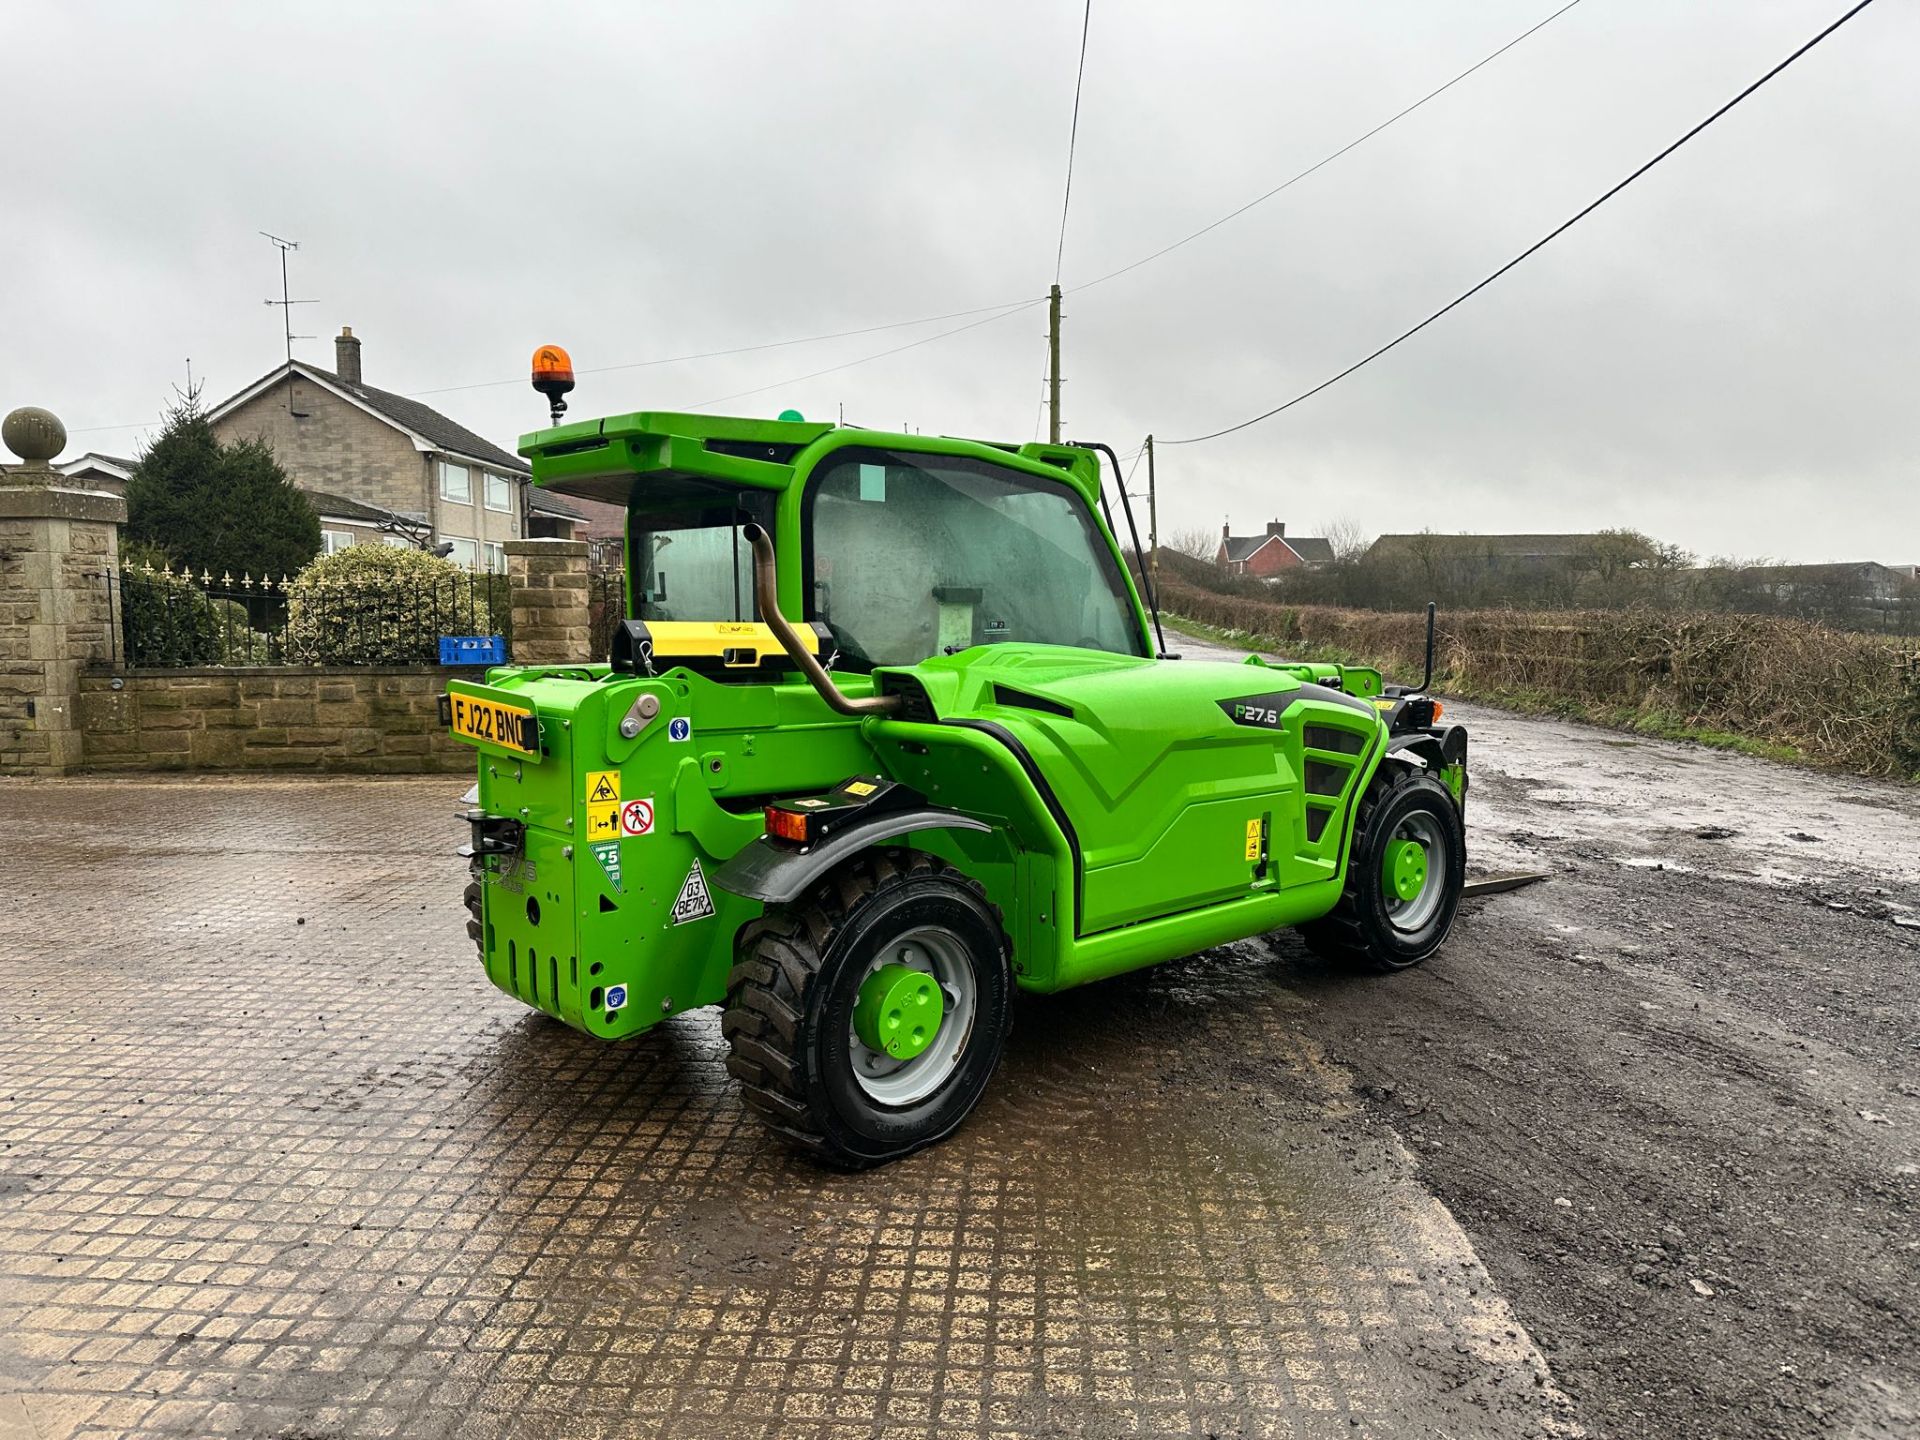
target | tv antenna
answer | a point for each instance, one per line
(286, 305)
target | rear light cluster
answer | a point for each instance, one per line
(787, 825)
(816, 818)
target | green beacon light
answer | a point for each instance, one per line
(791, 415)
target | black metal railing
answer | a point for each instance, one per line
(171, 619)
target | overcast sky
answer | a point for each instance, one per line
(1724, 356)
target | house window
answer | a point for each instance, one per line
(496, 555)
(456, 484)
(399, 542)
(332, 542)
(465, 553)
(499, 493)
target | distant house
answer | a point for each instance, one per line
(1841, 582)
(98, 472)
(1271, 553)
(383, 469)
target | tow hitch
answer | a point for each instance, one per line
(494, 835)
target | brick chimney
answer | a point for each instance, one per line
(1226, 532)
(346, 356)
(1274, 527)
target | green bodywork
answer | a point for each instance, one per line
(1137, 809)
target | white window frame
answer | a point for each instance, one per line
(505, 482)
(398, 542)
(332, 542)
(495, 555)
(464, 494)
(465, 553)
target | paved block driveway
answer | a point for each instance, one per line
(276, 1161)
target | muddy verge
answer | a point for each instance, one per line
(1673, 1096)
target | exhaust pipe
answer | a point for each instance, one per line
(1427, 679)
(766, 596)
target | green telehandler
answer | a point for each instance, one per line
(885, 735)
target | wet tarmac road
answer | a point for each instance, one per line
(275, 1161)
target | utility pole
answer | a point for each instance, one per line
(1153, 524)
(1053, 365)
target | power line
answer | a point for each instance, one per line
(1073, 138)
(738, 350)
(993, 312)
(1326, 160)
(1537, 245)
(1015, 309)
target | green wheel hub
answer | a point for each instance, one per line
(898, 1011)
(1405, 869)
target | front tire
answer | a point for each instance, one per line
(1405, 874)
(893, 922)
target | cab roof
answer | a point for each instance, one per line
(603, 459)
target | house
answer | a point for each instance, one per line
(1269, 554)
(1838, 584)
(384, 469)
(106, 473)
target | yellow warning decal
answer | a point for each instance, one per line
(859, 787)
(1253, 839)
(603, 821)
(602, 786)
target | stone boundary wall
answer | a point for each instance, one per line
(354, 720)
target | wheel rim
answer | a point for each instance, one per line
(907, 1079)
(1414, 872)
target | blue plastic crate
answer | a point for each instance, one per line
(473, 650)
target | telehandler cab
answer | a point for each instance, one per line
(886, 736)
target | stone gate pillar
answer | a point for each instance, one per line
(552, 624)
(58, 549)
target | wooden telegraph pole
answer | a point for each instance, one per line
(1053, 365)
(1153, 523)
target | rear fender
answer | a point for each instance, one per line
(778, 874)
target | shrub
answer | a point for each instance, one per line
(383, 605)
(167, 620)
(216, 507)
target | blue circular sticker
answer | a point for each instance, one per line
(679, 728)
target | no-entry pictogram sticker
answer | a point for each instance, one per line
(636, 817)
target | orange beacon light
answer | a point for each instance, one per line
(553, 377)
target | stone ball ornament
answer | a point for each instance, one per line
(33, 434)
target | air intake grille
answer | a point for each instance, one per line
(1325, 737)
(1325, 778)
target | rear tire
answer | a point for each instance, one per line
(1373, 925)
(790, 1009)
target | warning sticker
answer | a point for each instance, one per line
(679, 729)
(636, 817)
(1253, 839)
(616, 998)
(859, 787)
(603, 821)
(602, 786)
(695, 903)
(607, 852)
